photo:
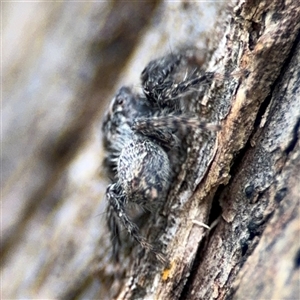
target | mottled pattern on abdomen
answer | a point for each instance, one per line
(144, 172)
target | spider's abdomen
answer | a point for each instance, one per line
(144, 172)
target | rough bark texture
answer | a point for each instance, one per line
(244, 181)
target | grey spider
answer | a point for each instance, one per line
(143, 136)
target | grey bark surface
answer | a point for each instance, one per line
(243, 181)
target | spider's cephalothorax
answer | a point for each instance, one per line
(143, 137)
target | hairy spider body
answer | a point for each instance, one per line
(144, 172)
(143, 136)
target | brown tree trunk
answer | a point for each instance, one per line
(244, 182)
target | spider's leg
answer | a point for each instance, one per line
(194, 80)
(151, 128)
(157, 76)
(162, 128)
(161, 86)
(117, 202)
(114, 231)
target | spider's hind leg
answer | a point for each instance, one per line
(170, 77)
(157, 77)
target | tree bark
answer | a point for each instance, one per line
(243, 181)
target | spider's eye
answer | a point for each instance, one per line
(118, 105)
(120, 101)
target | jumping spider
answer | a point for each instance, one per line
(143, 137)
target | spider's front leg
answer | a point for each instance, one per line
(114, 229)
(117, 201)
